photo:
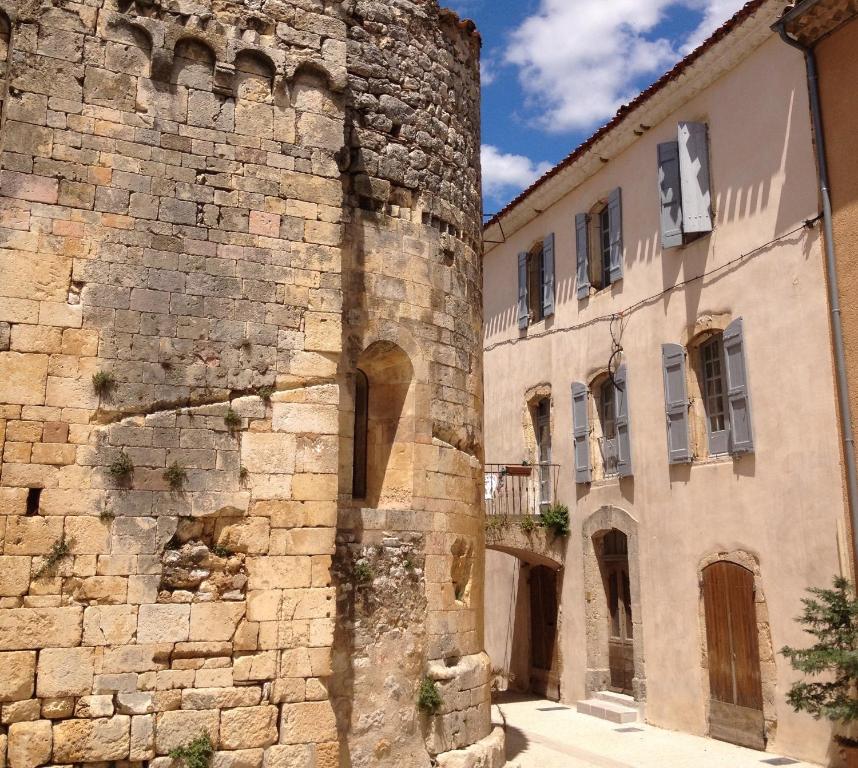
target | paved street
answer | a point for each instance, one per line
(542, 734)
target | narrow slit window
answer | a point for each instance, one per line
(359, 469)
(34, 498)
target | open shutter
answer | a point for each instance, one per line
(581, 432)
(738, 398)
(624, 438)
(671, 195)
(676, 403)
(548, 276)
(582, 252)
(523, 313)
(615, 226)
(694, 177)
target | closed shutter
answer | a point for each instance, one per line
(694, 177)
(738, 397)
(523, 313)
(582, 253)
(548, 276)
(676, 404)
(615, 227)
(624, 437)
(581, 432)
(671, 196)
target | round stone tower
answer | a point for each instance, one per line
(240, 384)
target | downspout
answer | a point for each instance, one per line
(833, 291)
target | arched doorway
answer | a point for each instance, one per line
(615, 653)
(733, 654)
(614, 561)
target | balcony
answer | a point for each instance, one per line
(520, 490)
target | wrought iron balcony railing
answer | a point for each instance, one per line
(520, 489)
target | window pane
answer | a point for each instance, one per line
(713, 385)
(534, 284)
(605, 245)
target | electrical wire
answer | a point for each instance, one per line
(623, 315)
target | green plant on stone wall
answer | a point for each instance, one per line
(122, 467)
(556, 519)
(265, 392)
(175, 475)
(103, 383)
(363, 572)
(195, 754)
(59, 551)
(232, 420)
(428, 697)
(830, 616)
(527, 524)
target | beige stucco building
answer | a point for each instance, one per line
(657, 336)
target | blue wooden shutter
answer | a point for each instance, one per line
(693, 146)
(523, 313)
(582, 253)
(548, 276)
(676, 403)
(671, 195)
(624, 436)
(738, 397)
(615, 227)
(581, 432)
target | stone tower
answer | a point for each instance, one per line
(240, 384)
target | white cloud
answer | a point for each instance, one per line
(507, 173)
(488, 72)
(579, 60)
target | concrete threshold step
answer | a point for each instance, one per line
(609, 710)
(622, 699)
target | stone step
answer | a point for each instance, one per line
(607, 710)
(624, 700)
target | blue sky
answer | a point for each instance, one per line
(555, 70)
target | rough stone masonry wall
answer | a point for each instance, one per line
(186, 189)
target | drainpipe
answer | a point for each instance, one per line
(833, 292)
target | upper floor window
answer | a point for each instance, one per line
(601, 427)
(709, 412)
(536, 283)
(599, 245)
(683, 179)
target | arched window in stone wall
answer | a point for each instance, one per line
(254, 77)
(390, 426)
(359, 465)
(193, 65)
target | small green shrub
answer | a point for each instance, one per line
(363, 573)
(831, 617)
(220, 551)
(59, 551)
(556, 518)
(175, 475)
(265, 392)
(428, 698)
(103, 383)
(122, 467)
(232, 420)
(243, 475)
(527, 524)
(195, 754)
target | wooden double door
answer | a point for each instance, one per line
(735, 683)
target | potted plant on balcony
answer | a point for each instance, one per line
(519, 470)
(830, 616)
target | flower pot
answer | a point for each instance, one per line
(849, 755)
(519, 471)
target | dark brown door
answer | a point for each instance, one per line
(543, 630)
(621, 639)
(736, 698)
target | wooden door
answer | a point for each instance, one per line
(621, 659)
(543, 630)
(736, 692)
